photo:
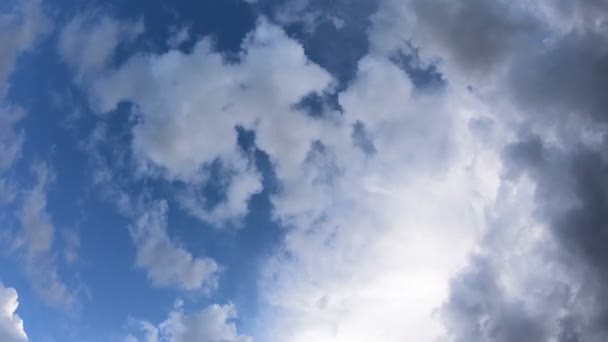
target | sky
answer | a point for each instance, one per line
(303, 170)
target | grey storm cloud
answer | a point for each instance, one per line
(476, 34)
(569, 75)
(478, 309)
(572, 195)
(557, 82)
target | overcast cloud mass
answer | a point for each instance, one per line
(304, 170)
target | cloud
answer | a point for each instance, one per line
(352, 260)
(568, 195)
(19, 28)
(88, 42)
(71, 241)
(24, 23)
(543, 81)
(166, 262)
(375, 237)
(510, 56)
(479, 310)
(178, 95)
(11, 140)
(579, 56)
(11, 325)
(326, 27)
(211, 324)
(477, 35)
(508, 51)
(240, 181)
(474, 211)
(36, 239)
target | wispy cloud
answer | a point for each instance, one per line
(37, 237)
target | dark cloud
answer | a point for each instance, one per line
(569, 75)
(557, 81)
(479, 310)
(476, 35)
(572, 196)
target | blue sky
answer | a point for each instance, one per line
(298, 170)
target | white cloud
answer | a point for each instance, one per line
(211, 324)
(87, 43)
(189, 107)
(371, 255)
(241, 181)
(71, 241)
(179, 36)
(11, 325)
(374, 237)
(130, 338)
(166, 262)
(10, 139)
(19, 29)
(538, 66)
(8, 191)
(36, 239)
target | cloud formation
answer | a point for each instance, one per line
(542, 72)
(190, 106)
(11, 326)
(167, 263)
(88, 42)
(349, 210)
(11, 140)
(37, 237)
(372, 233)
(19, 28)
(474, 211)
(211, 324)
(24, 23)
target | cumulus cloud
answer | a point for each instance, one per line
(353, 259)
(189, 107)
(510, 54)
(166, 262)
(544, 80)
(376, 236)
(11, 325)
(477, 35)
(568, 196)
(211, 324)
(498, 175)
